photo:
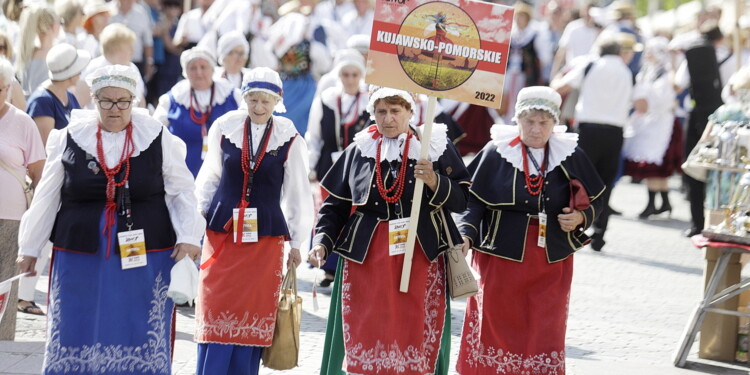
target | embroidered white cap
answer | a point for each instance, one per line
(230, 41)
(538, 97)
(196, 53)
(265, 80)
(377, 93)
(124, 77)
(65, 61)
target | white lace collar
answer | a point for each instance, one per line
(330, 97)
(181, 92)
(84, 124)
(392, 147)
(232, 126)
(561, 145)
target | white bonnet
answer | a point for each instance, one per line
(230, 41)
(266, 80)
(348, 57)
(124, 77)
(195, 53)
(360, 42)
(377, 93)
(538, 97)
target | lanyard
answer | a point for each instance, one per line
(127, 206)
(255, 156)
(541, 170)
(347, 125)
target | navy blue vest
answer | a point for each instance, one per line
(83, 196)
(265, 194)
(328, 135)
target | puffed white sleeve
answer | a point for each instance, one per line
(207, 181)
(162, 109)
(313, 136)
(296, 196)
(179, 187)
(38, 220)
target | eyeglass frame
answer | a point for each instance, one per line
(113, 104)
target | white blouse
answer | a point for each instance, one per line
(296, 196)
(181, 94)
(37, 222)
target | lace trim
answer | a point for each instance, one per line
(561, 145)
(181, 92)
(83, 127)
(152, 356)
(392, 148)
(232, 126)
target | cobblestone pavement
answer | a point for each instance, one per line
(628, 308)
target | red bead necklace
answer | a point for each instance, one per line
(110, 207)
(398, 185)
(245, 160)
(201, 119)
(534, 184)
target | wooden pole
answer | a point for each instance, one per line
(738, 11)
(416, 204)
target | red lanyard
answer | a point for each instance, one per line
(247, 170)
(201, 119)
(398, 185)
(110, 207)
(347, 125)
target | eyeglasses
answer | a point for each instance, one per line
(109, 104)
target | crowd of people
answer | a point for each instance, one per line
(240, 128)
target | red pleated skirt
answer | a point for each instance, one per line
(387, 332)
(516, 324)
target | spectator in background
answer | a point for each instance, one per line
(133, 15)
(192, 27)
(622, 13)
(333, 10)
(360, 20)
(117, 49)
(16, 97)
(50, 107)
(71, 15)
(95, 19)
(232, 52)
(38, 22)
(577, 39)
(10, 17)
(170, 71)
(154, 10)
(606, 87)
(21, 155)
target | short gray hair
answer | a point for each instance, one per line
(6, 71)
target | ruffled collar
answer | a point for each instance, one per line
(393, 147)
(561, 145)
(181, 92)
(84, 124)
(232, 126)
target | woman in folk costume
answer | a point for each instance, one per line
(336, 116)
(521, 180)
(233, 50)
(297, 48)
(373, 328)
(190, 108)
(254, 177)
(114, 179)
(654, 151)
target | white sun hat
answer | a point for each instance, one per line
(65, 61)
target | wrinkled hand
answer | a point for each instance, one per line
(294, 259)
(317, 255)
(569, 219)
(26, 264)
(466, 246)
(182, 250)
(423, 171)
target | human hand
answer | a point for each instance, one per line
(26, 264)
(423, 171)
(294, 259)
(317, 255)
(570, 219)
(466, 246)
(182, 250)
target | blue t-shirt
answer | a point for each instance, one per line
(44, 103)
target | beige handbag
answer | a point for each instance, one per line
(284, 350)
(461, 282)
(28, 191)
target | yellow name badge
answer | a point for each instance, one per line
(204, 148)
(541, 240)
(132, 248)
(398, 230)
(250, 225)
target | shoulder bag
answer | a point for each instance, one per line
(461, 282)
(28, 191)
(283, 353)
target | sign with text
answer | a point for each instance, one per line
(448, 49)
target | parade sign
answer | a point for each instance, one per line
(5, 293)
(456, 49)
